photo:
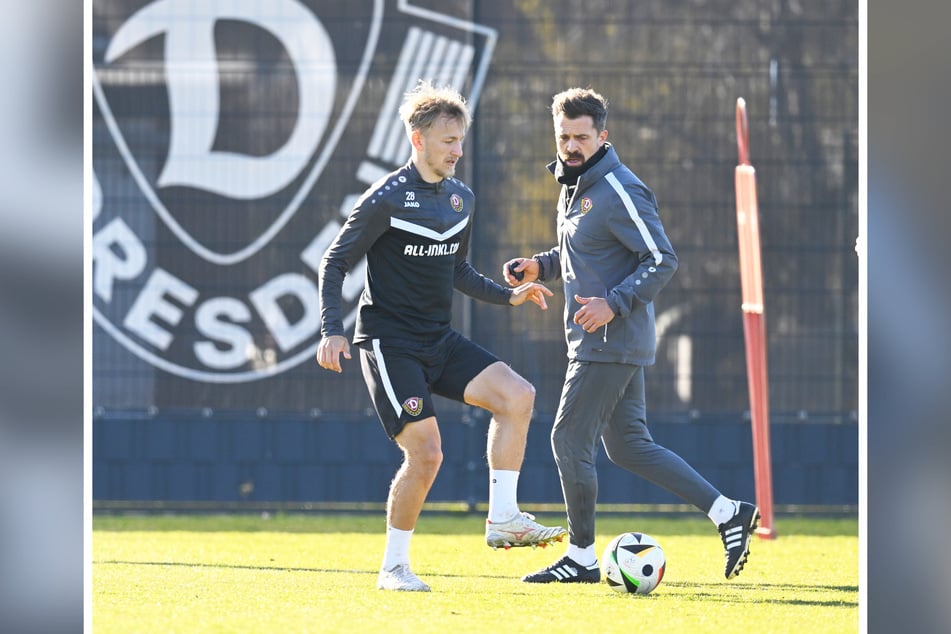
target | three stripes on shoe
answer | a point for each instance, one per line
(733, 537)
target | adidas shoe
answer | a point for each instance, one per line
(736, 535)
(400, 577)
(521, 530)
(566, 570)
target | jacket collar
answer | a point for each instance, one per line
(607, 164)
(416, 179)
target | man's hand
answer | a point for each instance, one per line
(328, 352)
(530, 292)
(520, 271)
(594, 313)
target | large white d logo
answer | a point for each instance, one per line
(192, 75)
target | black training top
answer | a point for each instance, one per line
(415, 236)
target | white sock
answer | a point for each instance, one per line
(584, 556)
(503, 501)
(723, 510)
(397, 547)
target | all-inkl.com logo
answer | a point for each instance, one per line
(230, 140)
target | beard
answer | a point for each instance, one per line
(568, 174)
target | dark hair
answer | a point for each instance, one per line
(426, 103)
(579, 102)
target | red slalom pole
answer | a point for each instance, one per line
(754, 321)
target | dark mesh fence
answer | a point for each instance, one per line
(218, 194)
(672, 73)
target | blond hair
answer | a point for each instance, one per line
(426, 103)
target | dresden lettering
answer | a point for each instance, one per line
(161, 301)
(202, 265)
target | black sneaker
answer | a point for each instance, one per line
(736, 535)
(566, 570)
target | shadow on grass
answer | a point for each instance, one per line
(818, 587)
(733, 593)
(740, 592)
(181, 564)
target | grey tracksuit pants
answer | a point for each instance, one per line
(606, 401)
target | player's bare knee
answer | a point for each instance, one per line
(522, 399)
(510, 400)
(429, 454)
(514, 405)
(425, 460)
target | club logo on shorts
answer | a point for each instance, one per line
(199, 170)
(586, 204)
(413, 405)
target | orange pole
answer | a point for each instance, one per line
(754, 321)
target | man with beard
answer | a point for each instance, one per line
(613, 257)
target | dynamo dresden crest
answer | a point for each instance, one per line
(230, 140)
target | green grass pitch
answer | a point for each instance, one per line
(317, 573)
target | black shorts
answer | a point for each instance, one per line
(403, 375)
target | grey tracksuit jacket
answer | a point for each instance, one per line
(611, 244)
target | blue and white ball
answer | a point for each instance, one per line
(634, 562)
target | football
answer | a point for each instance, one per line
(634, 562)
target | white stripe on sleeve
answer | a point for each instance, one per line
(632, 212)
